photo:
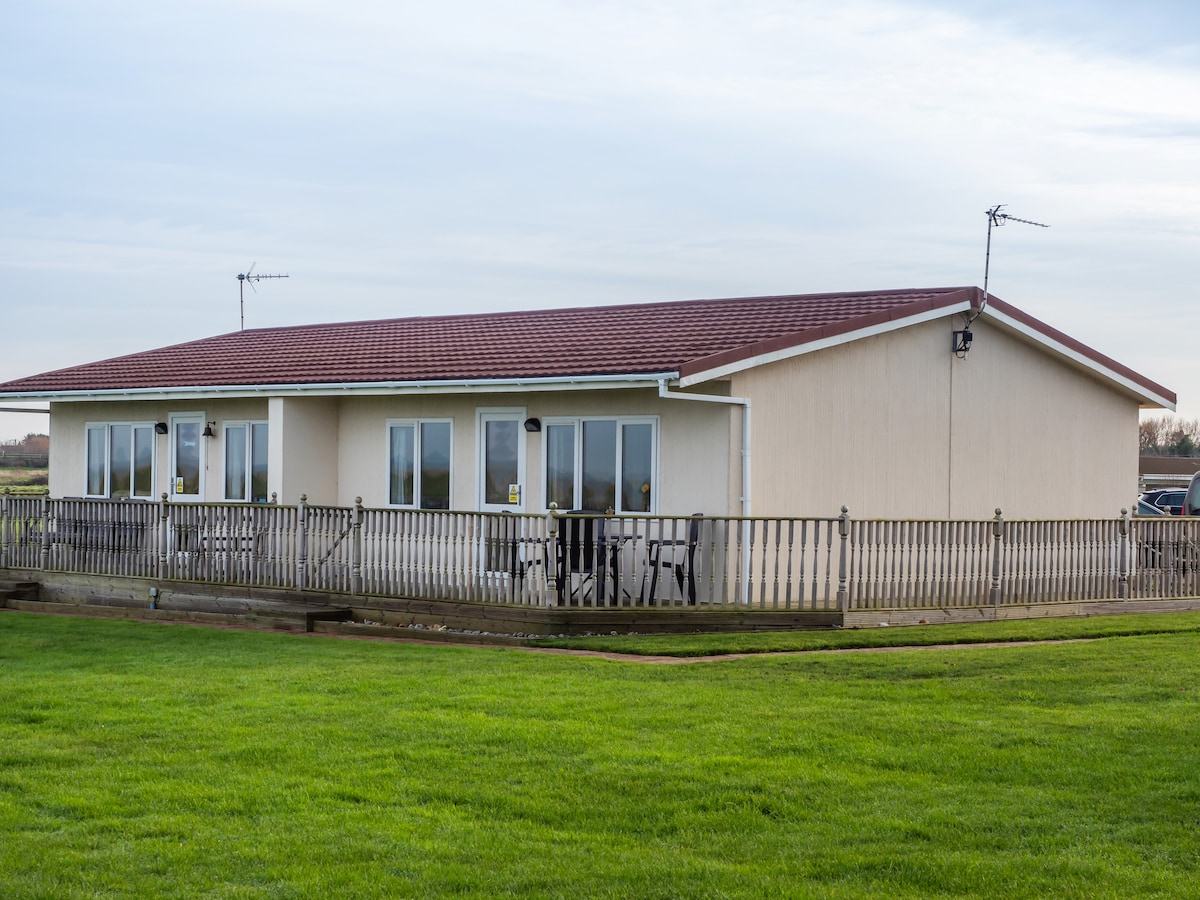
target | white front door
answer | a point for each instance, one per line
(186, 468)
(502, 460)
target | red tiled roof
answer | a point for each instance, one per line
(685, 336)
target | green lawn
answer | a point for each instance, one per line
(139, 759)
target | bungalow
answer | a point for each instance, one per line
(935, 403)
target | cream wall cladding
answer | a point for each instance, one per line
(304, 434)
(896, 426)
(693, 456)
(68, 438)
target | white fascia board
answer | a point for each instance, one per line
(822, 344)
(1078, 358)
(359, 389)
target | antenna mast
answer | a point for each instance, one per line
(997, 218)
(248, 275)
(963, 338)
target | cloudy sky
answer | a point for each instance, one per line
(404, 158)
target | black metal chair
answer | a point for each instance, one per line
(581, 551)
(508, 550)
(679, 556)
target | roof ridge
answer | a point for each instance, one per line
(553, 310)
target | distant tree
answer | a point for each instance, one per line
(31, 450)
(1169, 436)
(35, 444)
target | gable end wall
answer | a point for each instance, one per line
(896, 426)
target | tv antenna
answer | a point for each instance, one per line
(996, 218)
(249, 276)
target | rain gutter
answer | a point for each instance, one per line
(359, 388)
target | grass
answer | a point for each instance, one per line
(24, 481)
(141, 759)
(1048, 629)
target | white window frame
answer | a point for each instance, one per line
(174, 419)
(621, 421)
(504, 414)
(107, 462)
(249, 425)
(415, 424)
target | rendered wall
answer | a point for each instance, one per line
(693, 461)
(68, 438)
(896, 426)
(303, 449)
(335, 449)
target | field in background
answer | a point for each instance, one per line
(24, 481)
(153, 760)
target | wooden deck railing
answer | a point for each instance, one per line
(599, 560)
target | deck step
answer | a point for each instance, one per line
(17, 591)
(267, 614)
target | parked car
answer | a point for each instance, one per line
(1169, 500)
(1191, 500)
(1147, 509)
(1151, 494)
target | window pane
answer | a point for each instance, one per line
(400, 474)
(143, 461)
(258, 462)
(120, 461)
(560, 466)
(187, 458)
(499, 459)
(636, 441)
(435, 465)
(599, 464)
(96, 461)
(235, 462)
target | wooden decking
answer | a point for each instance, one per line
(119, 597)
(331, 613)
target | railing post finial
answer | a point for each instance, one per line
(843, 591)
(997, 540)
(1123, 557)
(164, 515)
(356, 548)
(5, 527)
(44, 558)
(552, 514)
(301, 540)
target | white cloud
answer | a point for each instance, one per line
(533, 153)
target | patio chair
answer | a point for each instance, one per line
(679, 556)
(581, 552)
(512, 552)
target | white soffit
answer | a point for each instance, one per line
(999, 318)
(1079, 359)
(822, 344)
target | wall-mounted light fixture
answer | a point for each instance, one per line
(962, 342)
(533, 424)
(208, 429)
(160, 428)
